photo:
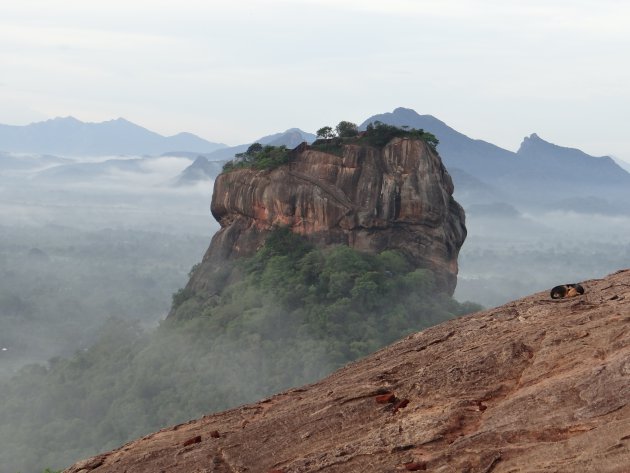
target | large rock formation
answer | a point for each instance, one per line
(537, 385)
(397, 197)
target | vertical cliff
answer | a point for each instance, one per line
(395, 197)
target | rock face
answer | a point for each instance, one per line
(537, 385)
(398, 197)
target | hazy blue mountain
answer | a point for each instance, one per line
(81, 172)
(624, 164)
(190, 155)
(554, 174)
(570, 163)
(225, 154)
(289, 138)
(476, 157)
(470, 190)
(71, 137)
(497, 209)
(200, 170)
(12, 162)
(540, 173)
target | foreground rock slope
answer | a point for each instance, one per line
(372, 199)
(536, 385)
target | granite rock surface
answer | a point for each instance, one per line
(536, 385)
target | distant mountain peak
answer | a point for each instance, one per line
(290, 138)
(534, 143)
(122, 120)
(70, 136)
(575, 165)
(200, 170)
(68, 119)
(399, 110)
(535, 138)
(411, 113)
(402, 116)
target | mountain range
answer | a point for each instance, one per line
(539, 174)
(205, 166)
(71, 137)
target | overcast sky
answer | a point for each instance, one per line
(232, 71)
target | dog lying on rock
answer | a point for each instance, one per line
(566, 290)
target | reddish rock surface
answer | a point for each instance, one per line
(537, 385)
(398, 197)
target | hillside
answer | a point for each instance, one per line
(534, 385)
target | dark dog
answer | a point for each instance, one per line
(566, 290)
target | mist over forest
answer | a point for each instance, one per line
(94, 249)
(505, 258)
(116, 241)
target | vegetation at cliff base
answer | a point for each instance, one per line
(354, 302)
(288, 315)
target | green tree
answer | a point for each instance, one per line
(347, 129)
(379, 134)
(326, 133)
(254, 148)
(258, 156)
